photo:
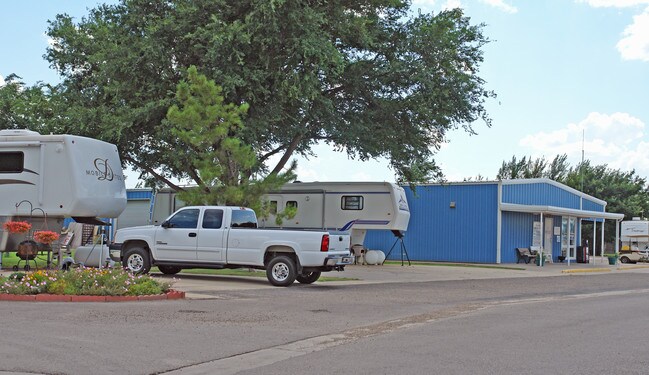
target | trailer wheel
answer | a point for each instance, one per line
(137, 260)
(281, 271)
(308, 277)
(169, 270)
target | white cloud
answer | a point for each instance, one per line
(635, 44)
(614, 3)
(617, 140)
(500, 4)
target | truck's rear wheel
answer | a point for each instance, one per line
(281, 271)
(169, 270)
(137, 260)
(308, 277)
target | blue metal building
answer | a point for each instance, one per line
(484, 222)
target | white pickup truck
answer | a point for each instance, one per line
(228, 237)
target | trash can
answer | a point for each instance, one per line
(582, 254)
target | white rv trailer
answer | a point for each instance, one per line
(371, 205)
(324, 205)
(44, 178)
(634, 234)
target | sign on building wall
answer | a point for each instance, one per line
(537, 234)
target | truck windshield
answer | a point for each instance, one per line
(244, 219)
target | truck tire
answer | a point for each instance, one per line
(625, 260)
(137, 260)
(169, 270)
(308, 277)
(281, 271)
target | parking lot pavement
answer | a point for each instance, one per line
(208, 286)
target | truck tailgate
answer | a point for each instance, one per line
(339, 241)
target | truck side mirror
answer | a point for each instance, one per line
(165, 224)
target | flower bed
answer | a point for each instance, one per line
(82, 282)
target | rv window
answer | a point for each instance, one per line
(291, 204)
(212, 219)
(11, 162)
(354, 202)
(243, 219)
(272, 207)
(184, 219)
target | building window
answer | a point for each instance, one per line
(11, 162)
(272, 207)
(352, 202)
(291, 204)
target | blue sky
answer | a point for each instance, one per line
(561, 68)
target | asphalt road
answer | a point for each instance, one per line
(556, 335)
(558, 324)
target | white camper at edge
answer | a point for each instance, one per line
(44, 178)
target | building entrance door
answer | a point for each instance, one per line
(568, 243)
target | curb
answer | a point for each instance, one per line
(587, 270)
(171, 294)
(631, 268)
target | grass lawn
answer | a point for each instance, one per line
(10, 259)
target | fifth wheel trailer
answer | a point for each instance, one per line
(44, 178)
(324, 205)
(634, 234)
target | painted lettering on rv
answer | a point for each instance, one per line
(103, 171)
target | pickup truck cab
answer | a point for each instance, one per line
(228, 237)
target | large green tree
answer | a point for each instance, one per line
(365, 76)
(29, 107)
(527, 167)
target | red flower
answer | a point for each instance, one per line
(17, 226)
(46, 236)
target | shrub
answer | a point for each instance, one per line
(83, 281)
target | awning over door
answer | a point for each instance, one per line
(560, 211)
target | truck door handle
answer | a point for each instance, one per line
(192, 234)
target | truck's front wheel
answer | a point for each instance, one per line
(308, 277)
(137, 260)
(281, 271)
